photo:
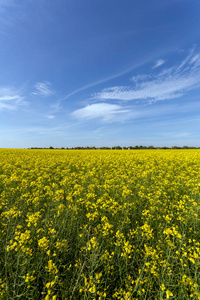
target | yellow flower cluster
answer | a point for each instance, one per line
(99, 224)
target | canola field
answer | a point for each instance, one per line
(99, 224)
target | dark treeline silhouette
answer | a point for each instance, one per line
(117, 148)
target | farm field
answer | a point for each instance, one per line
(99, 224)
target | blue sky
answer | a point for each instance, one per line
(99, 73)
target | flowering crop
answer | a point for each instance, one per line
(99, 224)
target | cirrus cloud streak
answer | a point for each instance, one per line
(171, 83)
(10, 99)
(43, 89)
(104, 111)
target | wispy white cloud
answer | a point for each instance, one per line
(50, 116)
(159, 63)
(104, 111)
(7, 106)
(114, 113)
(171, 83)
(140, 77)
(109, 78)
(10, 99)
(43, 89)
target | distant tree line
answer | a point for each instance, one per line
(117, 148)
